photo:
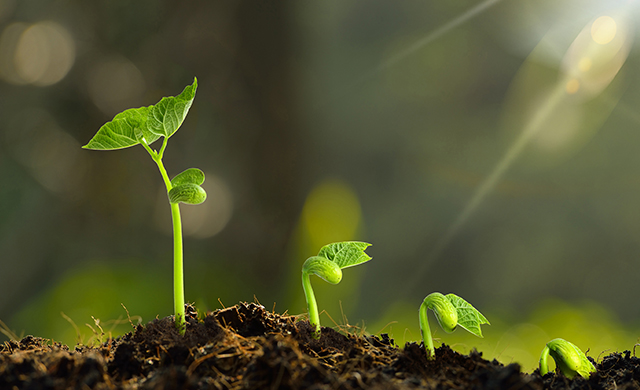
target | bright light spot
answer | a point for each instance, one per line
(585, 64)
(44, 54)
(41, 54)
(115, 85)
(572, 86)
(209, 218)
(597, 54)
(8, 43)
(331, 213)
(603, 30)
(203, 220)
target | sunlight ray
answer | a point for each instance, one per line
(533, 127)
(452, 24)
(604, 42)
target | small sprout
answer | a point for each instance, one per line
(569, 359)
(328, 265)
(450, 311)
(144, 126)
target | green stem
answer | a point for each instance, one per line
(163, 147)
(157, 157)
(544, 361)
(312, 306)
(178, 276)
(426, 331)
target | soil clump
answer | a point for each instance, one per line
(248, 347)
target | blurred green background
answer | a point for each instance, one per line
(487, 148)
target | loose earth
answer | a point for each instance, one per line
(248, 347)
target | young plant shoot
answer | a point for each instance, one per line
(328, 265)
(569, 359)
(451, 311)
(144, 126)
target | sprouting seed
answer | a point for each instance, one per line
(451, 311)
(328, 265)
(568, 357)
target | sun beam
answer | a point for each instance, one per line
(437, 33)
(588, 67)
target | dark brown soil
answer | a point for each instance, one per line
(247, 347)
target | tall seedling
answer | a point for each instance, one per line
(144, 126)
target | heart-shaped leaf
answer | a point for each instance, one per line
(130, 126)
(167, 115)
(125, 130)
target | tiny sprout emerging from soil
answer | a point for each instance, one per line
(328, 265)
(451, 311)
(144, 126)
(569, 359)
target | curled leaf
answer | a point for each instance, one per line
(324, 268)
(191, 175)
(445, 312)
(188, 193)
(451, 311)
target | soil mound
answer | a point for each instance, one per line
(248, 347)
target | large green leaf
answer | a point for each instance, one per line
(469, 317)
(130, 126)
(123, 131)
(167, 116)
(346, 253)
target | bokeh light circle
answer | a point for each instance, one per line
(40, 54)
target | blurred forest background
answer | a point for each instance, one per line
(486, 148)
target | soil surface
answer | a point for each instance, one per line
(248, 347)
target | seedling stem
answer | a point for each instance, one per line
(144, 126)
(178, 276)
